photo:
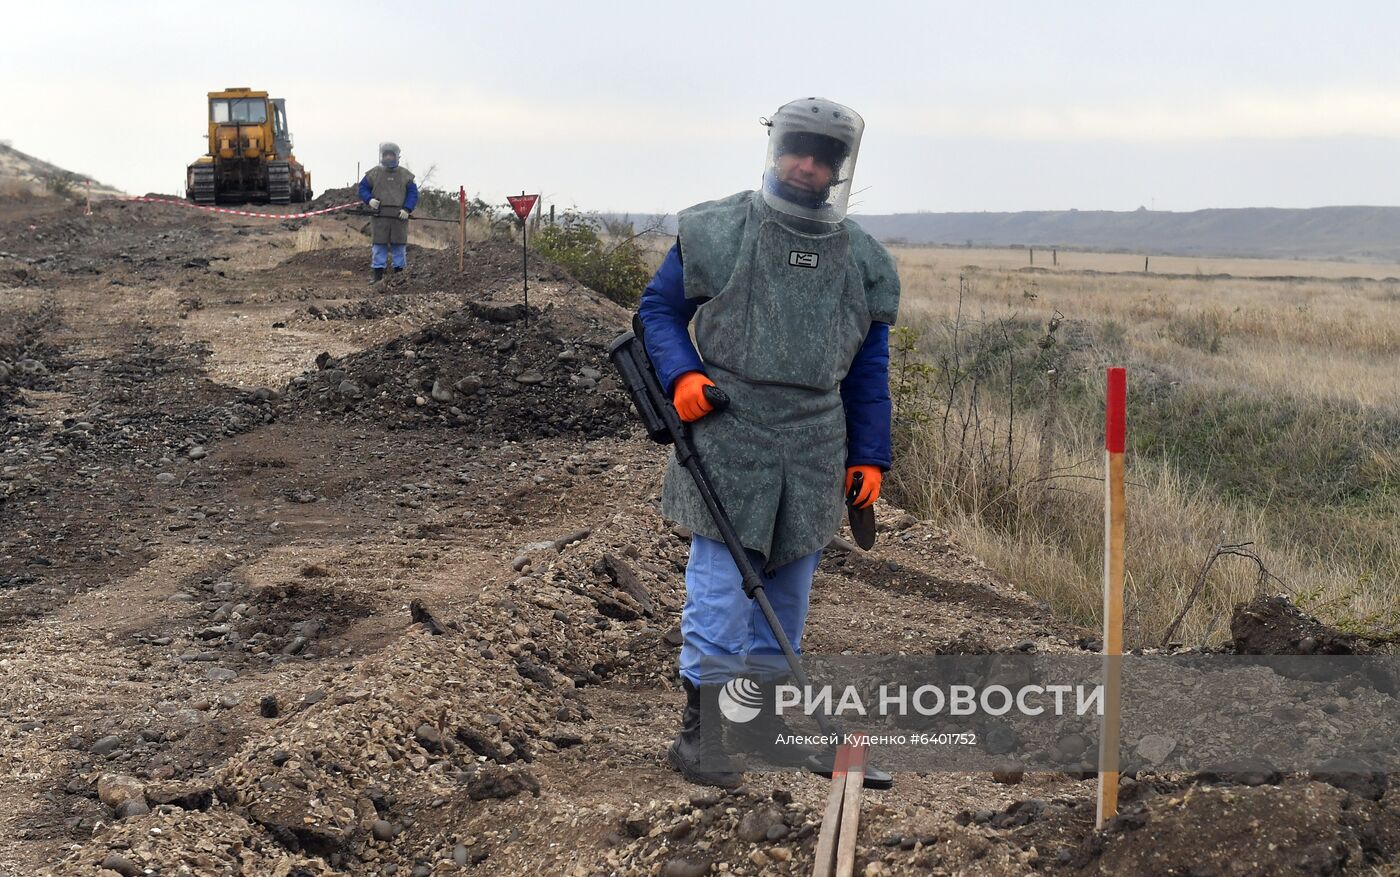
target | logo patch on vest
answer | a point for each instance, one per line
(798, 259)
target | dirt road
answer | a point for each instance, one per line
(302, 577)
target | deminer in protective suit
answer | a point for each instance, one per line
(792, 305)
(391, 194)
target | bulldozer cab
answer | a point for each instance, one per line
(238, 111)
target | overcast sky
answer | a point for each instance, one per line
(654, 106)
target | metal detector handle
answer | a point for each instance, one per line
(857, 482)
(862, 520)
(718, 399)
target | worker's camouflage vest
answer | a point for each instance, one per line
(390, 186)
(786, 307)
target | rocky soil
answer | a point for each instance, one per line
(300, 577)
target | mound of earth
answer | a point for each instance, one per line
(170, 840)
(390, 762)
(118, 235)
(333, 198)
(489, 266)
(494, 369)
(26, 357)
(1272, 625)
(1302, 828)
(320, 263)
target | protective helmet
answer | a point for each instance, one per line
(812, 146)
(385, 149)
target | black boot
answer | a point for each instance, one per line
(398, 268)
(377, 275)
(874, 778)
(698, 750)
(762, 734)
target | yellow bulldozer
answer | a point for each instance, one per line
(250, 153)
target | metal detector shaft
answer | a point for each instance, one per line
(753, 585)
(411, 217)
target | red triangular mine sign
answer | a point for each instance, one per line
(522, 204)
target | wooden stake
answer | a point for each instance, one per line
(462, 229)
(835, 855)
(1115, 529)
(850, 813)
(824, 864)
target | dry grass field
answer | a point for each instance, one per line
(1013, 258)
(1264, 408)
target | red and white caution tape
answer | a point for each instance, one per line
(177, 203)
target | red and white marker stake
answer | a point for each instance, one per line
(1115, 529)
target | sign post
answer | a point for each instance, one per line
(462, 230)
(522, 204)
(1115, 527)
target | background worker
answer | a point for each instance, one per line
(792, 304)
(391, 194)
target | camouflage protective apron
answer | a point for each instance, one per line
(778, 336)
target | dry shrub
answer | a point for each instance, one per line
(16, 189)
(308, 239)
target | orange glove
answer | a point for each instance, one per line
(870, 484)
(688, 395)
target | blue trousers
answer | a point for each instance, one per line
(724, 631)
(380, 255)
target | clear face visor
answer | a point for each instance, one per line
(808, 172)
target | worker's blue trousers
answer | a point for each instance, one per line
(724, 631)
(379, 255)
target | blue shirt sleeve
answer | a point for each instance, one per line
(865, 393)
(410, 198)
(665, 313)
(366, 191)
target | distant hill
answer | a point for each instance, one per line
(1352, 233)
(1346, 233)
(23, 171)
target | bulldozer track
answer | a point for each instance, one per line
(202, 190)
(279, 182)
